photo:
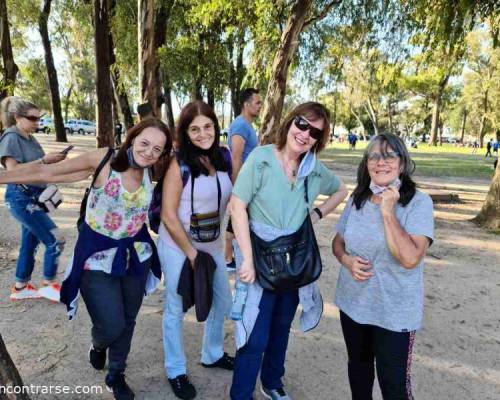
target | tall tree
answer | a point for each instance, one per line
(10, 68)
(152, 28)
(51, 72)
(104, 89)
(275, 96)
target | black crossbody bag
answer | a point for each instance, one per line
(288, 262)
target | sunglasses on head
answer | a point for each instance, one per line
(302, 124)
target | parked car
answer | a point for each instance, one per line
(80, 126)
(45, 125)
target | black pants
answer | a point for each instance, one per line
(113, 304)
(392, 352)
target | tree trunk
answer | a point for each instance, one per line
(358, 118)
(436, 110)
(498, 135)
(167, 93)
(104, 90)
(66, 101)
(462, 130)
(482, 124)
(51, 73)
(152, 33)
(9, 375)
(334, 115)
(211, 98)
(10, 68)
(273, 103)
(119, 90)
(489, 216)
(236, 73)
(389, 112)
(373, 115)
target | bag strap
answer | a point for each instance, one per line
(102, 164)
(306, 195)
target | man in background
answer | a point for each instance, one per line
(242, 140)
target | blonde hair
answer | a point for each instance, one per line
(12, 106)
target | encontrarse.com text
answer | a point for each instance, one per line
(50, 389)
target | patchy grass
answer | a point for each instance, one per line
(440, 161)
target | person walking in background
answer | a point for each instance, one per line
(18, 148)
(382, 237)
(196, 190)
(495, 147)
(242, 140)
(114, 260)
(475, 146)
(489, 146)
(273, 186)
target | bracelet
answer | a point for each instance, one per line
(318, 211)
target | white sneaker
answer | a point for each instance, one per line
(51, 292)
(27, 292)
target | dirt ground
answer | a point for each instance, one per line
(456, 354)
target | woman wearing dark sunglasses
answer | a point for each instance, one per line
(271, 188)
(18, 147)
(383, 234)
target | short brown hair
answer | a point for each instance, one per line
(312, 111)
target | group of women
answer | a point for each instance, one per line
(381, 239)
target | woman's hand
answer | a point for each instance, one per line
(52, 158)
(389, 198)
(192, 256)
(247, 272)
(359, 267)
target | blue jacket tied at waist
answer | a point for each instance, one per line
(90, 242)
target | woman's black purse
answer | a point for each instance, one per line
(288, 262)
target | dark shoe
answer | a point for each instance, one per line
(225, 362)
(116, 384)
(231, 266)
(183, 389)
(97, 357)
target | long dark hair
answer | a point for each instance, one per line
(120, 161)
(407, 190)
(187, 151)
(312, 111)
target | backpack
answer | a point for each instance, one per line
(154, 212)
(83, 204)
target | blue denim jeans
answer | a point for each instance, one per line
(266, 347)
(36, 227)
(172, 261)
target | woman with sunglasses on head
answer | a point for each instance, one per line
(114, 261)
(271, 187)
(382, 237)
(18, 148)
(196, 190)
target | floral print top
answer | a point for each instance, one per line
(117, 213)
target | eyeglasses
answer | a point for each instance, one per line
(32, 118)
(390, 157)
(302, 124)
(197, 130)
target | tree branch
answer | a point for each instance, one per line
(322, 14)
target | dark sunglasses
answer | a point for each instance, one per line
(31, 118)
(302, 124)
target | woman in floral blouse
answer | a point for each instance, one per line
(115, 260)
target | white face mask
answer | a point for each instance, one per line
(376, 189)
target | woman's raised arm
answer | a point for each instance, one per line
(69, 170)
